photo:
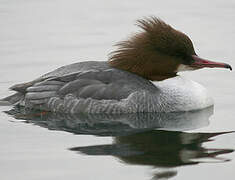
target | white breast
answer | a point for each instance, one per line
(181, 94)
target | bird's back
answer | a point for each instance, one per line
(90, 86)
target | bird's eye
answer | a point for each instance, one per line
(187, 60)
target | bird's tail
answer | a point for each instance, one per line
(11, 100)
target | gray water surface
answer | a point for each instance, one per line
(39, 36)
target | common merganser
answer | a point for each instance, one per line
(140, 76)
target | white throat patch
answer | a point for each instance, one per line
(183, 67)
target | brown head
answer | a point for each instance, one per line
(158, 52)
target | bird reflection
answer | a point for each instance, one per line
(160, 148)
(153, 139)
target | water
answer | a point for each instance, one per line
(38, 36)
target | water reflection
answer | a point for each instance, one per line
(160, 148)
(154, 139)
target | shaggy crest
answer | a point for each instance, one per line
(157, 45)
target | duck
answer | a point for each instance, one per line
(140, 76)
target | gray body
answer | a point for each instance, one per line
(95, 87)
(89, 87)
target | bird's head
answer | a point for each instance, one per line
(158, 52)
